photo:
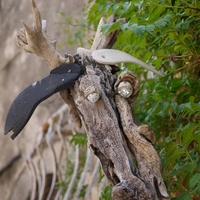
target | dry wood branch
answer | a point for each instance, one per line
(104, 134)
(83, 174)
(33, 175)
(149, 165)
(15, 180)
(93, 179)
(34, 40)
(114, 135)
(43, 174)
(54, 173)
(69, 189)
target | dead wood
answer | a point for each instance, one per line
(114, 135)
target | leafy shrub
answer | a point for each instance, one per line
(165, 34)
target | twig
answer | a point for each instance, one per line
(83, 174)
(93, 177)
(54, 163)
(15, 179)
(73, 178)
(43, 175)
(33, 175)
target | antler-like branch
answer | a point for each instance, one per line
(34, 40)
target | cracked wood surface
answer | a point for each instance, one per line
(104, 134)
(114, 135)
(149, 164)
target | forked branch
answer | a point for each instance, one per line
(34, 40)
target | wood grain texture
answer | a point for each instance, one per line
(105, 136)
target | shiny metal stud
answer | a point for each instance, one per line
(92, 94)
(93, 97)
(125, 89)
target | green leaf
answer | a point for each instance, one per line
(79, 139)
(168, 139)
(137, 29)
(106, 193)
(150, 28)
(194, 183)
(191, 107)
(173, 152)
(190, 167)
(188, 134)
(197, 138)
(183, 196)
(108, 28)
(161, 23)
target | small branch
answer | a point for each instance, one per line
(69, 189)
(192, 8)
(83, 174)
(15, 180)
(34, 40)
(33, 176)
(92, 181)
(48, 140)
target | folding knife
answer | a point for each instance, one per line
(22, 108)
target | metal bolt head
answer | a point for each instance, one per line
(92, 94)
(125, 89)
(93, 97)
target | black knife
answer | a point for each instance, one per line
(22, 108)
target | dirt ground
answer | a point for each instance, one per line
(18, 70)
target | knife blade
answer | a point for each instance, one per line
(22, 108)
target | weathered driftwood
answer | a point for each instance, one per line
(114, 134)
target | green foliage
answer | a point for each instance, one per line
(79, 139)
(83, 191)
(68, 166)
(79, 37)
(165, 34)
(106, 193)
